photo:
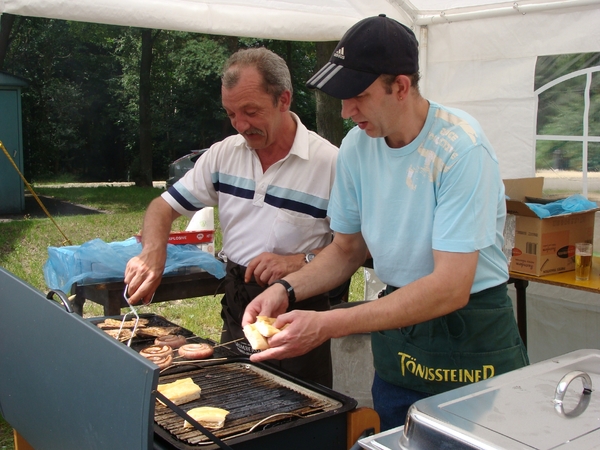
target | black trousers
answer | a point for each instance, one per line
(314, 366)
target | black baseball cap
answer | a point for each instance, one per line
(372, 47)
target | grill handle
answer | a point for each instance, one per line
(181, 413)
(63, 298)
(561, 390)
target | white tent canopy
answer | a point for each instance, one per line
(301, 20)
(478, 55)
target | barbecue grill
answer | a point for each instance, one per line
(66, 384)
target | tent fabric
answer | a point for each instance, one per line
(296, 20)
(487, 67)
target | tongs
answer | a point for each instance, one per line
(134, 312)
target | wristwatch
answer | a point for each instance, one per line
(308, 257)
(289, 291)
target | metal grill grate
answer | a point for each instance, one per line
(255, 398)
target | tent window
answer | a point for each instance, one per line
(567, 89)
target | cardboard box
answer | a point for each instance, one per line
(188, 237)
(544, 246)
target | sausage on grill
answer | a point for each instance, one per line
(195, 351)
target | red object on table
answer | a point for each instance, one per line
(187, 237)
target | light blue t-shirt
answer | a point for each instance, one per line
(443, 191)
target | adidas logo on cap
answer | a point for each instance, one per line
(339, 53)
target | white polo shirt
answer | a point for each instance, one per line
(283, 210)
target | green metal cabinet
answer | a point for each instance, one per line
(12, 195)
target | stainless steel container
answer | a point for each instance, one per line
(548, 405)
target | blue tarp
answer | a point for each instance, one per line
(97, 261)
(574, 203)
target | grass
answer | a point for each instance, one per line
(6, 435)
(24, 243)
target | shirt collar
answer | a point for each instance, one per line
(300, 145)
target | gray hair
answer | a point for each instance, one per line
(275, 73)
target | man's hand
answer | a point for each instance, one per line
(270, 303)
(268, 267)
(142, 277)
(144, 272)
(305, 330)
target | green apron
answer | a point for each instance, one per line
(472, 344)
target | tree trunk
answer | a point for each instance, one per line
(145, 176)
(6, 23)
(330, 124)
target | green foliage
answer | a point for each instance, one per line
(65, 109)
(301, 59)
(594, 123)
(561, 112)
(80, 111)
(551, 67)
(186, 94)
(560, 108)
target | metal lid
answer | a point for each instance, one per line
(65, 383)
(542, 406)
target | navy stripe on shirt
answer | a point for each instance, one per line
(292, 205)
(277, 202)
(234, 190)
(182, 200)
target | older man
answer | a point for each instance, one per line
(271, 182)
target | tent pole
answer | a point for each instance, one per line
(586, 129)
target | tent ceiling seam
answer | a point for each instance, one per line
(522, 8)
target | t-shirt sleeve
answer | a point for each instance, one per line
(466, 213)
(344, 205)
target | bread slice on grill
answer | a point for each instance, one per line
(114, 323)
(157, 331)
(123, 336)
(180, 391)
(207, 416)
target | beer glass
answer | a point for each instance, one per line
(583, 261)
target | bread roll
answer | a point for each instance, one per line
(256, 340)
(207, 416)
(257, 332)
(180, 391)
(264, 325)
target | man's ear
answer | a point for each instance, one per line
(285, 100)
(403, 84)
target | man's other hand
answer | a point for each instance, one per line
(268, 267)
